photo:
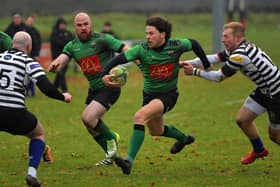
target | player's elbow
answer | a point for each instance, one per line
(216, 76)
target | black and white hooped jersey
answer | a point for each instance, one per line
(16, 70)
(254, 63)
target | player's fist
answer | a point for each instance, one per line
(188, 68)
(67, 97)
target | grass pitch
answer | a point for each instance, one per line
(204, 109)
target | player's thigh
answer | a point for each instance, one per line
(94, 110)
(99, 101)
(249, 111)
(153, 109)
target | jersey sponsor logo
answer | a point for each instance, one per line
(236, 58)
(171, 52)
(93, 44)
(7, 57)
(76, 49)
(161, 71)
(33, 66)
(90, 64)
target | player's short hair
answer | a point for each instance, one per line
(238, 28)
(161, 25)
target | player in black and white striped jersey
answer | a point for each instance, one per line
(253, 62)
(15, 68)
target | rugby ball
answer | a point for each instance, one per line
(119, 74)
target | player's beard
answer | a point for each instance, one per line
(84, 36)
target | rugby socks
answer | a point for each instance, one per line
(102, 129)
(172, 132)
(136, 141)
(36, 149)
(101, 140)
(257, 145)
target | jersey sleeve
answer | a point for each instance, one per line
(113, 43)
(187, 45)
(133, 53)
(34, 70)
(235, 63)
(5, 42)
(8, 42)
(67, 50)
(223, 55)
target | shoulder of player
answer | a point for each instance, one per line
(239, 57)
(100, 35)
(143, 45)
(175, 42)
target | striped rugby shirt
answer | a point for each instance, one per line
(254, 63)
(16, 70)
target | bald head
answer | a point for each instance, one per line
(82, 25)
(82, 16)
(22, 41)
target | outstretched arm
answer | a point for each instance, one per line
(197, 49)
(214, 59)
(196, 62)
(216, 76)
(49, 90)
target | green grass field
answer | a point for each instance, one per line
(205, 109)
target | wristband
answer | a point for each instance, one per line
(196, 72)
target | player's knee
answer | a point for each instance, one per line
(139, 117)
(239, 121)
(85, 119)
(38, 132)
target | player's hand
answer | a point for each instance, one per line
(188, 68)
(53, 67)
(107, 81)
(67, 97)
(181, 64)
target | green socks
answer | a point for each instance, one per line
(136, 141)
(104, 134)
(101, 140)
(102, 129)
(172, 132)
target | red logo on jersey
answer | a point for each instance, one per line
(161, 71)
(90, 64)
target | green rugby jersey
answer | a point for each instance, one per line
(93, 55)
(5, 42)
(160, 66)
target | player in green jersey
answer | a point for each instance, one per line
(159, 58)
(5, 42)
(92, 51)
